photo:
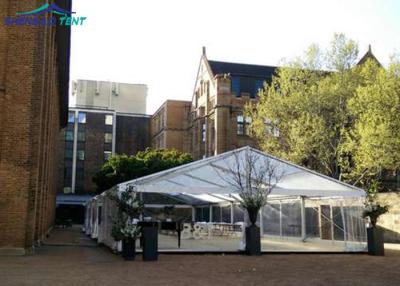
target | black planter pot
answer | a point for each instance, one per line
(375, 241)
(253, 240)
(150, 241)
(253, 213)
(129, 248)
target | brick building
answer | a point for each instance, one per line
(94, 133)
(170, 124)
(34, 76)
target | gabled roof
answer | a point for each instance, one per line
(368, 55)
(242, 69)
(203, 177)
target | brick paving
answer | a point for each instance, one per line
(77, 264)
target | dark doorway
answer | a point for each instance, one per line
(70, 214)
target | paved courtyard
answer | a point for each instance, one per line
(69, 258)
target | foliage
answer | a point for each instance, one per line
(121, 168)
(333, 116)
(374, 139)
(129, 207)
(373, 209)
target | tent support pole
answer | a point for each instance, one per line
(280, 219)
(332, 224)
(231, 212)
(193, 214)
(211, 213)
(141, 199)
(344, 224)
(303, 219)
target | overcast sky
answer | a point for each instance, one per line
(158, 42)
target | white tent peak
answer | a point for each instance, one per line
(201, 177)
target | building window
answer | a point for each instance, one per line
(82, 117)
(235, 86)
(107, 155)
(69, 135)
(68, 153)
(108, 137)
(80, 155)
(258, 85)
(203, 133)
(240, 125)
(109, 119)
(71, 117)
(270, 128)
(247, 125)
(81, 136)
(243, 125)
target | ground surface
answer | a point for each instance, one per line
(80, 262)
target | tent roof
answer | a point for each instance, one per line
(208, 176)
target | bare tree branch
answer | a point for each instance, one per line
(252, 176)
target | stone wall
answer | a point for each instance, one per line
(391, 221)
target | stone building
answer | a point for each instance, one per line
(34, 78)
(213, 122)
(222, 89)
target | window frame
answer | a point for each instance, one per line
(107, 123)
(106, 137)
(78, 157)
(82, 120)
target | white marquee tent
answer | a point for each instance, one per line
(303, 203)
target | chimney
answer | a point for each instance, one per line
(204, 51)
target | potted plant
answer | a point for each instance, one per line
(125, 227)
(253, 177)
(373, 210)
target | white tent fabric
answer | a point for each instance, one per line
(208, 176)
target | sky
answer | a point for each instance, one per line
(159, 42)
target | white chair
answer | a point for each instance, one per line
(187, 231)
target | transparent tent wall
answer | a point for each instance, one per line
(314, 225)
(287, 225)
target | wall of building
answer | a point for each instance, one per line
(121, 97)
(132, 134)
(96, 139)
(30, 113)
(94, 148)
(169, 126)
(390, 221)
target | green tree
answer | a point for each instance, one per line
(331, 113)
(121, 168)
(374, 139)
